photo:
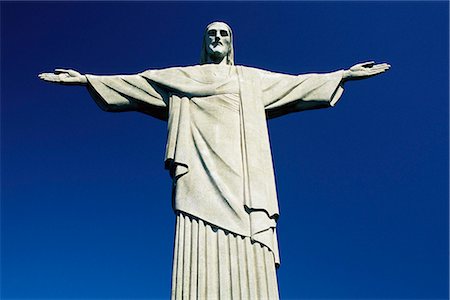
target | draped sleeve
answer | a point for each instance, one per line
(129, 93)
(283, 94)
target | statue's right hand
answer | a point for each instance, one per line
(64, 76)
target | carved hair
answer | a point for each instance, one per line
(204, 53)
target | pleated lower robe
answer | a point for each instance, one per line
(210, 263)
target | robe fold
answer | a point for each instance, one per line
(218, 149)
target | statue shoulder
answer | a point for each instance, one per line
(255, 71)
(172, 72)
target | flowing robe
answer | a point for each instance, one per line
(218, 150)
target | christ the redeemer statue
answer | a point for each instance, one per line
(218, 155)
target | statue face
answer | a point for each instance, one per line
(218, 41)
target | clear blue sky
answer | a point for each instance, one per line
(363, 187)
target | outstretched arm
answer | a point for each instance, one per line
(364, 70)
(117, 92)
(283, 94)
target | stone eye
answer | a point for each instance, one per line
(224, 33)
(212, 32)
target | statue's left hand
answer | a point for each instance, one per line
(365, 70)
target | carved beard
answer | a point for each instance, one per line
(217, 56)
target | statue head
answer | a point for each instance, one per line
(217, 44)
